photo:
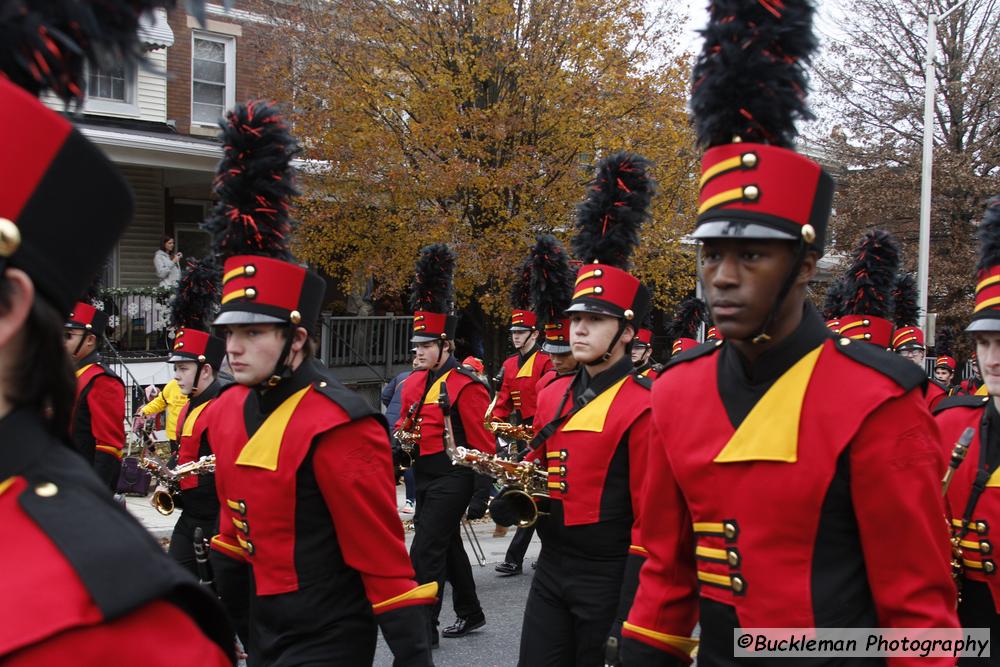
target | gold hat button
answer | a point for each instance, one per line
(46, 490)
(10, 237)
(749, 160)
(751, 192)
(249, 269)
(251, 293)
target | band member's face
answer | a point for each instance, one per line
(72, 340)
(563, 363)
(253, 351)
(741, 280)
(591, 334)
(915, 355)
(988, 358)
(184, 373)
(640, 353)
(519, 338)
(943, 375)
(427, 353)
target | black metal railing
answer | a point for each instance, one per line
(378, 343)
(138, 319)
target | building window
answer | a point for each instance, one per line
(111, 90)
(108, 84)
(213, 77)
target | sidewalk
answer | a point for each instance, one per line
(494, 548)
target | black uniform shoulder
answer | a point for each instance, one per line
(350, 402)
(469, 373)
(902, 371)
(692, 354)
(960, 401)
(643, 381)
(117, 560)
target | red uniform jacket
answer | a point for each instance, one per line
(469, 399)
(310, 496)
(517, 392)
(198, 491)
(595, 465)
(935, 394)
(978, 548)
(99, 417)
(78, 574)
(798, 516)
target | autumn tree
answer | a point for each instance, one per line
(476, 122)
(872, 79)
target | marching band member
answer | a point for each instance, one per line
(591, 436)
(551, 287)
(685, 326)
(99, 412)
(197, 356)
(78, 574)
(443, 490)
(908, 342)
(787, 491)
(642, 354)
(303, 465)
(973, 497)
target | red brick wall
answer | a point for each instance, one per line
(251, 47)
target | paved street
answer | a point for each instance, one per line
(503, 599)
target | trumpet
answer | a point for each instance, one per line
(527, 482)
(163, 499)
(520, 432)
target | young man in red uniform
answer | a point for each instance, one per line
(99, 414)
(783, 494)
(974, 496)
(78, 574)
(944, 371)
(591, 437)
(443, 490)
(642, 354)
(303, 465)
(197, 357)
(908, 342)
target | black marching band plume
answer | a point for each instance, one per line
(609, 220)
(834, 299)
(750, 79)
(869, 305)
(986, 313)
(254, 184)
(551, 285)
(691, 313)
(197, 295)
(906, 301)
(47, 43)
(522, 318)
(432, 295)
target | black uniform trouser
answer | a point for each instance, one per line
(182, 539)
(437, 552)
(977, 610)
(519, 545)
(571, 607)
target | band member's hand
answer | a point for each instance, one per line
(503, 510)
(477, 509)
(151, 392)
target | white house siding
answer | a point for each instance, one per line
(142, 237)
(151, 88)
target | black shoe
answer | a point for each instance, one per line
(507, 569)
(464, 626)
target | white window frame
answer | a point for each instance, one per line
(230, 44)
(105, 107)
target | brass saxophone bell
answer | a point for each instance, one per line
(163, 502)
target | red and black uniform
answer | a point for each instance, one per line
(99, 418)
(975, 512)
(591, 554)
(304, 473)
(785, 496)
(443, 489)
(970, 387)
(82, 575)
(197, 500)
(516, 398)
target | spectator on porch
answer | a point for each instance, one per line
(167, 263)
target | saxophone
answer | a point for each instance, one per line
(526, 482)
(170, 478)
(504, 430)
(408, 437)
